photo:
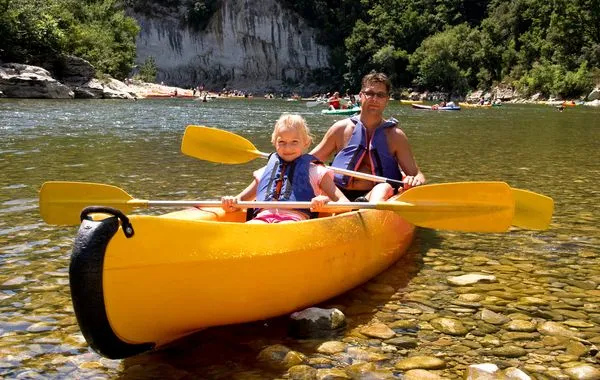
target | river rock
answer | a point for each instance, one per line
(594, 95)
(520, 325)
(532, 301)
(508, 351)
(332, 374)
(404, 324)
(302, 372)
(71, 70)
(420, 361)
(483, 371)
(493, 317)
(378, 330)
(114, 89)
(471, 278)
(24, 81)
(556, 329)
(504, 93)
(40, 327)
(368, 371)
(474, 96)
(513, 373)
(583, 372)
(279, 356)
(360, 370)
(332, 347)
(578, 323)
(403, 342)
(576, 348)
(518, 335)
(449, 326)
(92, 89)
(315, 322)
(421, 374)
(471, 297)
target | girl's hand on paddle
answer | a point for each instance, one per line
(317, 203)
(229, 204)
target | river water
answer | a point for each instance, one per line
(543, 279)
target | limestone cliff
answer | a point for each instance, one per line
(247, 44)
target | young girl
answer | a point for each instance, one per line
(290, 175)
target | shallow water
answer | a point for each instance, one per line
(136, 145)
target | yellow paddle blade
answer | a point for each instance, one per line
(532, 210)
(216, 145)
(61, 202)
(460, 206)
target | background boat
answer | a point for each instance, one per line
(435, 107)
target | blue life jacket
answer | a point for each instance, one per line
(383, 163)
(295, 185)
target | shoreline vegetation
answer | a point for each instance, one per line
(25, 81)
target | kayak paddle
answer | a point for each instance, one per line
(467, 206)
(532, 210)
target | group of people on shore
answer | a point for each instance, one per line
(366, 143)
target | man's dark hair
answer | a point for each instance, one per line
(375, 77)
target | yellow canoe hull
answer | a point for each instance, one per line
(193, 269)
(474, 105)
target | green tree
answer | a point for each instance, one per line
(445, 61)
(148, 70)
(523, 37)
(554, 80)
(394, 29)
(30, 31)
(41, 31)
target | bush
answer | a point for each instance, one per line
(553, 80)
(574, 83)
(148, 71)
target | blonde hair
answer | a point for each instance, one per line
(292, 121)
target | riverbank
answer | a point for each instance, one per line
(79, 82)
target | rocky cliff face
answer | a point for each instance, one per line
(248, 44)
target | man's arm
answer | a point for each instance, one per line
(405, 158)
(331, 142)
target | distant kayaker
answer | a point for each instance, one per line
(368, 143)
(290, 175)
(334, 101)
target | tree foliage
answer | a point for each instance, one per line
(445, 60)
(36, 31)
(148, 70)
(461, 44)
(552, 47)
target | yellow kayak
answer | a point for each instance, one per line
(474, 105)
(196, 268)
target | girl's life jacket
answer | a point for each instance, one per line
(287, 181)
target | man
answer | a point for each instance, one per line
(370, 144)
